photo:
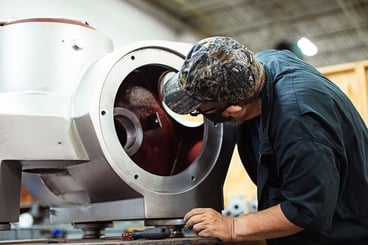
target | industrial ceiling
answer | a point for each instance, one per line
(339, 28)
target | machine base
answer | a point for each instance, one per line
(5, 226)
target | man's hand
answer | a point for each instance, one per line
(207, 222)
(265, 224)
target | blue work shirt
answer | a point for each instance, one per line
(313, 154)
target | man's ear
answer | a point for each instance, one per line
(234, 109)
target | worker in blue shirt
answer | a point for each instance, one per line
(299, 137)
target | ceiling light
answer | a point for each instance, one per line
(308, 48)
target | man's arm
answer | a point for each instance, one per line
(266, 224)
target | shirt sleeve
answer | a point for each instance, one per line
(310, 183)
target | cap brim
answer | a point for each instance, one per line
(176, 99)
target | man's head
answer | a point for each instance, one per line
(216, 69)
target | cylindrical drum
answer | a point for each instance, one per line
(47, 55)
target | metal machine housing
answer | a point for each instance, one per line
(85, 130)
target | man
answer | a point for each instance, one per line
(299, 137)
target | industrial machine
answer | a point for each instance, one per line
(83, 127)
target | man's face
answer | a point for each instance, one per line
(213, 112)
(216, 111)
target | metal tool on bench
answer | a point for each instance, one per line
(150, 233)
(85, 130)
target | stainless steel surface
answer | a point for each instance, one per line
(88, 128)
(39, 72)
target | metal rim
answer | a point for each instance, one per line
(120, 162)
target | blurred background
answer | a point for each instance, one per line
(330, 31)
(337, 28)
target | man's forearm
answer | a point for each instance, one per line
(266, 224)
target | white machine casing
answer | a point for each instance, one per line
(83, 127)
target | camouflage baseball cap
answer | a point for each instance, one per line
(217, 69)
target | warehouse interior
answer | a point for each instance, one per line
(337, 30)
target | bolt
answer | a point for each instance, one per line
(77, 44)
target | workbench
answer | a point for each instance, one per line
(117, 241)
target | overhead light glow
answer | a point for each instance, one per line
(307, 47)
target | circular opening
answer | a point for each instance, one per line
(154, 140)
(128, 129)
